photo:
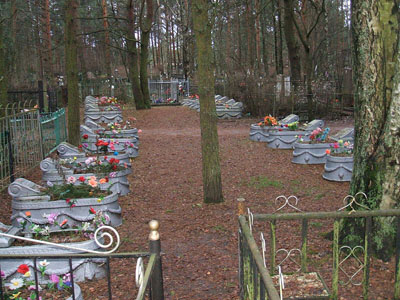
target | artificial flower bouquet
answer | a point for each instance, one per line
(24, 287)
(268, 121)
(341, 148)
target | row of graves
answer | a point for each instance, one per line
(311, 144)
(225, 108)
(74, 203)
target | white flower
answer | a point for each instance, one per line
(49, 183)
(45, 231)
(35, 227)
(44, 263)
(15, 283)
(85, 226)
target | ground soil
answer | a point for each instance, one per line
(199, 241)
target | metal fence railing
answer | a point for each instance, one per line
(163, 92)
(25, 138)
(54, 130)
(148, 279)
(293, 252)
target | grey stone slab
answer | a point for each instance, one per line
(289, 119)
(338, 168)
(346, 134)
(314, 124)
(284, 139)
(75, 215)
(309, 154)
(12, 230)
(23, 188)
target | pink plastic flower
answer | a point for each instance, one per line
(54, 278)
(71, 179)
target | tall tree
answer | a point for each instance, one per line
(145, 27)
(292, 44)
(212, 185)
(71, 68)
(304, 29)
(3, 70)
(376, 63)
(107, 52)
(133, 56)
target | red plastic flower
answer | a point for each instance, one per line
(68, 200)
(80, 146)
(85, 136)
(92, 211)
(23, 269)
(101, 143)
(63, 222)
(81, 179)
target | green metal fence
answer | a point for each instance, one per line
(26, 138)
(53, 130)
(293, 248)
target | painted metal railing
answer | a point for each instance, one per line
(254, 262)
(148, 279)
(26, 137)
(19, 144)
(54, 130)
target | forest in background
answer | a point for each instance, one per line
(257, 45)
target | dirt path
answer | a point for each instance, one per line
(200, 241)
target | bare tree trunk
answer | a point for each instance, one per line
(376, 171)
(81, 48)
(107, 53)
(72, 72)
(144, 52)
(48, 57)
(131, 44)
(3, 73)
(292, 44)
(212, 185)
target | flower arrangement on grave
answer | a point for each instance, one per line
(317, 136)
(118, 126)
(65, 232)
(268, 121)
(24, 287)
(94, 164)
(292, 126)
(341, 148)
(104, 101)
(87, 188)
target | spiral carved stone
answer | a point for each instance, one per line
(23, 188)
(47, 165)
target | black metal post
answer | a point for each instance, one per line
(157, 285)
(41, 96)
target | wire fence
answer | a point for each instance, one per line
(26, 137)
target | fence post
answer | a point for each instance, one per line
(157, 286)
(240, 246)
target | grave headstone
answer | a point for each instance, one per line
(346, 134)
(22, 187)
(289, 119)
(314, 124)
(86, 130)
(67, 150)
